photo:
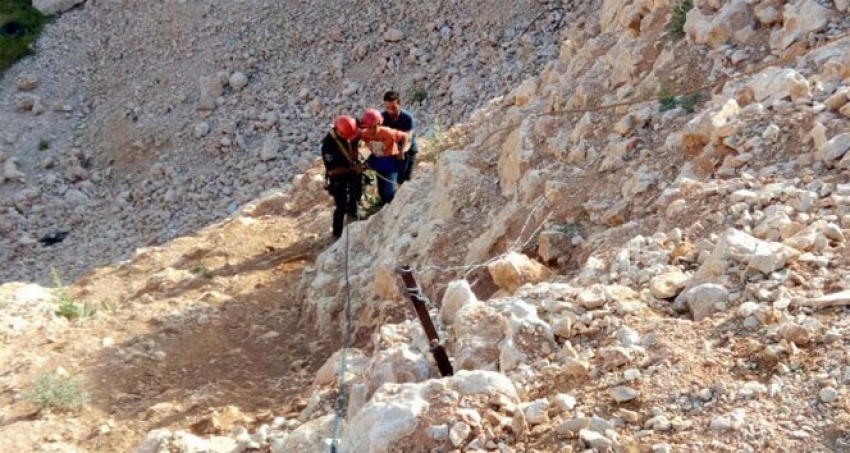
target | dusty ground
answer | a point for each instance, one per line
(225, 338)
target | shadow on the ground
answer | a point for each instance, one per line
(250, 351)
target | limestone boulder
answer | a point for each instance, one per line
(801, 18)
(515, 270)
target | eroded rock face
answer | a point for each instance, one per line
(392, 420)
(732, 22)
(800, 18)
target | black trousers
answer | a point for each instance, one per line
(346, 192)
(405, 170)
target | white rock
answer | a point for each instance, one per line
(211, 89)
(837, 100)
(457, 295)
(801, 18)
(594, 440)
(458, 433)
(566, 403)
(153, 440)
(833, 232)
(238, 81)
(737, 246)
(835, 148)
(537, 413)
(661, 448)
(27, 82)
(767, 14)
(623, 394)
(702, 300)
(553, 245)
(393, 35)
(627, 336)
(828, 395)
(438, 432)
(11, 172)
(631, 375)
(479, 330)
(51, 7)
(716, 30)
(515, 270)
(202, 129)
(524, 328)
(593, 298)
(576, 368)
(729, 422)
(795, 333)
(775, 83)
(271, 148)
(668, 284)
(328, 374)
(310, 436)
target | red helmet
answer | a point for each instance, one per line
(346, 127)
(372, 118)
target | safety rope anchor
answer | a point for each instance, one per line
(420, 305)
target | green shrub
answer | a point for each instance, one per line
(689, 101)
(666, 98)
(418, 95)
(670, 101)
(69, 309)
(680, 12)
(43, 145)
(203, 272)
(14, 48)
(54, 391)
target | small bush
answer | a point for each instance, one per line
(54, 391)
(417, 95)
(14, 48)
(203, 272)
(689, 101)
(69, 309)
(666, 98)
(680, 12)
(670, 101)
(43, 145)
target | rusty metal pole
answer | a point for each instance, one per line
(419, 303)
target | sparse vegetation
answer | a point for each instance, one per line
(417, 95)
(689, 101)
(666, 98)
(69, 309)
(680, 12)
(107, 306)
(43, 145)
(203, 272)
(15, 14)
(572, 228)
(670, 101)
(55, 391)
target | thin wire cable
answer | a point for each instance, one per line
(348, 334)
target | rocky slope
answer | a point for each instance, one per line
(695, 259)
(656, 276)
(135, 123)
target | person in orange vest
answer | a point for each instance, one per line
(343, 170)
(387, 148)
